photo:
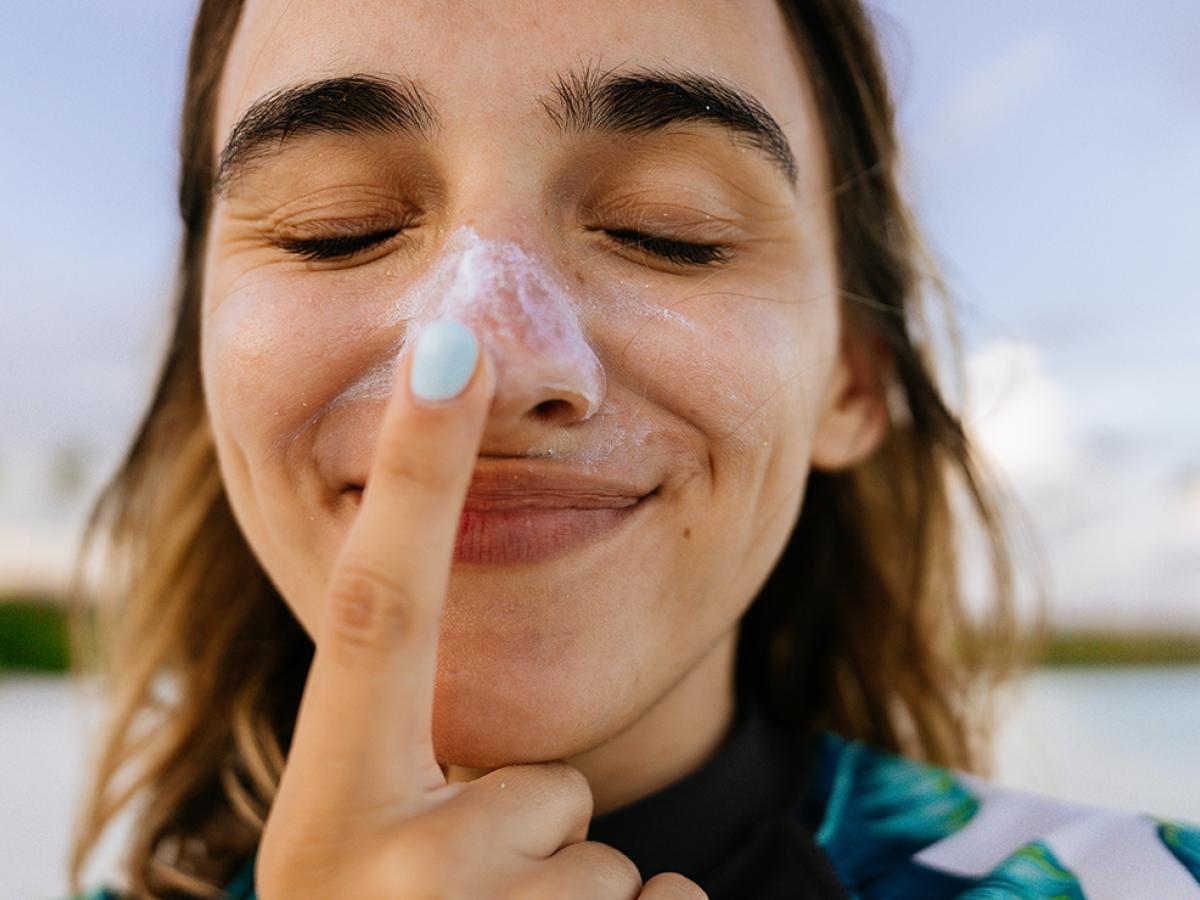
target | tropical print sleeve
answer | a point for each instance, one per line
(895, 828)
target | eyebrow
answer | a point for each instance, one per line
(351, 104)
(640, 102)
(645, 101)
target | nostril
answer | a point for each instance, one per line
(551, 409)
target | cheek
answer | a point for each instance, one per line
(272, 350)
(745, 368)
(749, 373)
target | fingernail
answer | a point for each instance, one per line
(444, 358)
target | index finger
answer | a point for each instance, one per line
(364, 731)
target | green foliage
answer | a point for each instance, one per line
(1106, 648)
(33, 635)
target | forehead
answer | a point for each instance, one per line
(488, 63)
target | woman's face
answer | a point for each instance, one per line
(500, 172)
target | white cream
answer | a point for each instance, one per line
(519, 312)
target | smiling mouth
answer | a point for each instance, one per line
(521, 533)
(523, 511)
(535, 533)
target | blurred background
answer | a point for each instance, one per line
(1053, 155)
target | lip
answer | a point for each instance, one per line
(521, 512)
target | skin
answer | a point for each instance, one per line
(620, 661)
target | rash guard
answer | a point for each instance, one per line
(774, 814)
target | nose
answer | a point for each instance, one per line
(528, 323)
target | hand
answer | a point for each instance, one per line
(363, 809)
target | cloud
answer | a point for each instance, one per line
(1019, 413)
(1120, 531)
(991, 94)
(1187, 500)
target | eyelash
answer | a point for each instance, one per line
(342, 246)
(680, 252)
(347, 246)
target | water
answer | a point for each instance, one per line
(1122, 737)
(1126, 738)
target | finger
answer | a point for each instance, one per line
(363, 733)
(586, 869)
(533, 809)
(672, 886)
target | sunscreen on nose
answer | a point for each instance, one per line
(520, 310)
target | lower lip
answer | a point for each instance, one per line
(533, 535)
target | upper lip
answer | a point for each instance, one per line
(527, 484)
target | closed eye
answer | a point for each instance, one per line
(341, 246)
(676, 251)
(346, 246)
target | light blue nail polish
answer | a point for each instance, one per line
(443, 360)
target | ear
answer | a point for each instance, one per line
(855, 417)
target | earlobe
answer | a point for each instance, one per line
(855, 418)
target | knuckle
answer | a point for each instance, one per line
(673, 886)
(368, 607)
(555, 781)
(570, 780)
(606, 864)
(620, 868)
(582, 869)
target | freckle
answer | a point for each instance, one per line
(687, 532)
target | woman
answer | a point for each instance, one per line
(548, 408)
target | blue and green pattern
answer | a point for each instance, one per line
(882, 809)
(1184, 843)
(1031, 872)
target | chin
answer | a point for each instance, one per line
(518, 680)
(488, 723)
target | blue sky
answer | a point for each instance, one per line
(1063, 190)
(1053, 152)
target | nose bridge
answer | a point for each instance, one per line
(526, 319)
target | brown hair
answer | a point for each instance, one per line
(860, 628)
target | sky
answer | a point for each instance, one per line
(1051, 155)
